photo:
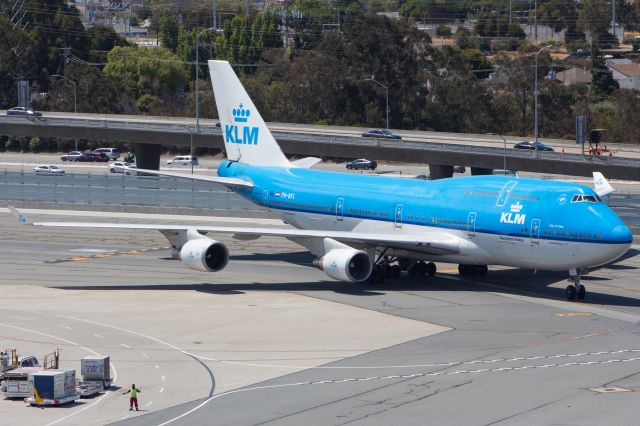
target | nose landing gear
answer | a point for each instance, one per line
(575, 290)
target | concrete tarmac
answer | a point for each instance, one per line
(271, 340)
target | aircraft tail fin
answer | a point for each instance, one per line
(602, 186)
(247, 138)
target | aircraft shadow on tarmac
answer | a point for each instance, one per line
(510, 281)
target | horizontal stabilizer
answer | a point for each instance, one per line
(306, 162)
(602, 187)
(230, 182)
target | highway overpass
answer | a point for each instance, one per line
(440, 150)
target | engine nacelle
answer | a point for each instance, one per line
(347, 265)
(204, 254)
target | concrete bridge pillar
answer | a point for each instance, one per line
(440, 171)
(148, 155)
(475, 171)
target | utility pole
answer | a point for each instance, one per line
(248, 1)
(613, 18)
(535, 10)
(214, 14)
(286, 26)
(535, 145)
(510, 12)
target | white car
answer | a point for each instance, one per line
(48, 169)
(183, 160)
(121, 167)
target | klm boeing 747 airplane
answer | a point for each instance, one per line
(363, 227)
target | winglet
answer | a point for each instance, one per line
(22, 219)
(602, 187)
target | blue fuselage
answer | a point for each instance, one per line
(501, 205)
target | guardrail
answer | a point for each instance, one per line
(301, 136)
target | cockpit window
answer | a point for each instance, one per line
(579, 198)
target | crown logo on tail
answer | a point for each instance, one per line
(240, 115)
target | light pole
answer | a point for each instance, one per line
(535, 111)
(504, 155)
(190, 144)
(197, 78)
(386, 88)
(75, 98)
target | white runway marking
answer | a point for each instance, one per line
(408, 376)
(157, 366)
(124, 417)
(66, 326)
(145, 355)
(98, 336)
(124, 345)
(161, 390)
(148, 403)
(163, 378)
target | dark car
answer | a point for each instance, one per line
(92, 158)
(362, 164)
(532, 146)
(380, 133)
(24, 111)
(459, 169)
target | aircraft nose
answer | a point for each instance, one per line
(620, 234)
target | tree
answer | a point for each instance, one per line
(602, 81)
(149, 71)
(168, 31)
(594, 17)
(101, 40)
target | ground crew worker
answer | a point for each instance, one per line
(134, 397)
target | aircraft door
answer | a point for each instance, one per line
(398, 215)
(265, 197)
(340, 209)
(535, 232)
(471, 224)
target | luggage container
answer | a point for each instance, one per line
(52, 387)
(95, 368)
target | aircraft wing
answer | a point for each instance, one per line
(231, 182)
(432, 242)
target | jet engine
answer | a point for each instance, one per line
(204, 254)
(346, 265)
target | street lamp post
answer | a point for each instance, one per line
(386, 88)
(535, 111)
(75, 98)
(190, 144)
(197, 77)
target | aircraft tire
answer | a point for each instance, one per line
(580, 294)
(393, 272)
(431, 269)
(463, 270)
(420, 269)
(570, 291)
(482, 270)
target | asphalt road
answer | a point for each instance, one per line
(286, 345)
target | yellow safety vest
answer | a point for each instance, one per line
(134, 393)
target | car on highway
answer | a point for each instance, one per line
(120, 167)
(531, 145)
(73, 156)
(24, 111)
(88, 157)
(183, 160)
(362, 163)
(423, 177)
(502, 172)
(48, 169)
(111, 153)
(459, 169)
(380, 133)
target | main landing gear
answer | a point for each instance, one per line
(575, 290)
(393, 267)
(473, 270)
